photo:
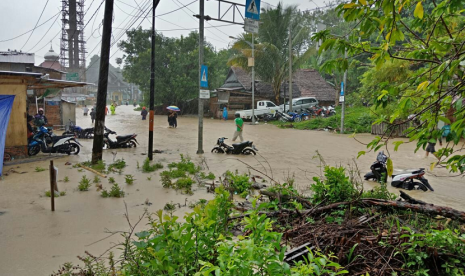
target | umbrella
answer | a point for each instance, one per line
(173, 108)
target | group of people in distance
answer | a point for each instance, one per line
(92, 111)
(172, 117)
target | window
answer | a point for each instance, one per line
(261, 104)
(307, 101)
(270, 104)
(299, 102)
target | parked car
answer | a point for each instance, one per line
(263, 107)
(300, 104)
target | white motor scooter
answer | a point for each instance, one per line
(411, 180)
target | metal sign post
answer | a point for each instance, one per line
(252, 14)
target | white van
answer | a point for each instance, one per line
(300, 104)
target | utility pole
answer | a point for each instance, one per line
(290, 71)
(343, 89)
(253, 80)
(152, 83)
(201, 19)
(102, 83)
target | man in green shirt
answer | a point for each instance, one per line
(239, 127)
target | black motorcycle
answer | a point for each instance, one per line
(403, 180)
(245, 148)
(123, 141)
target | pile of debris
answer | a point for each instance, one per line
(369, 236)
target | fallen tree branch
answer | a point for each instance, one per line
(92, 170)
(429, 209)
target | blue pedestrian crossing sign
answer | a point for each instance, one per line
(204, 76)
(252, 9)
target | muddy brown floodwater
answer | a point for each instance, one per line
(35, 241)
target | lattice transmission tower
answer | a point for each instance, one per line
(72, 48)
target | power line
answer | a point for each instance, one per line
(177, 9)
(30, 30)
(45, 33)
(90, 65)
(58, 15)
(38, 20)
(207, 21)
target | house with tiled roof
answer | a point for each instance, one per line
(236, 91)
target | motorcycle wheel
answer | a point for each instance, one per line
(217, 150)
(74, 149)
(282, 119)
(297, 119)
(421, 186)
(132, 144)
(249, 152)
(34, 150)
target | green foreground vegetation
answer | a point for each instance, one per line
(217, 239)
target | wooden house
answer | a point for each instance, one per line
(236, 92)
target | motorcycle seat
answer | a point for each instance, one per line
(241, 143)
(418, 171)
(123, 137)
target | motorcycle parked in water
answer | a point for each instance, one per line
(87, 133)
(404, 180)
(123, 141)
(44, 140)
(245, 148)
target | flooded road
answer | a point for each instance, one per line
(35, 241)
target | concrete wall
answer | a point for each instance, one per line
(16, 133)
(68, 112)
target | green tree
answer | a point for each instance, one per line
(176, 65)
(337, 26)
(429, 35)
(272, 45)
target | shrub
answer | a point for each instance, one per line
(115, 191)
(118, 165)
(146, 167)
(380, 192)
(239, 183)
(336, 187)
(210, 176)
(184, 184)
(84, 184)
(129, 179)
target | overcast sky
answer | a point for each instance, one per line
(18, 17)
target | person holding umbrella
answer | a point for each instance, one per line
(172, 116)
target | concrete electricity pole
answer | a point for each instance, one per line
(290, 71)
(102, 83)
(201, 23)
(344, 85)
(152, 82)
(253, 80)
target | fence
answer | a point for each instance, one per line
(397, 130)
